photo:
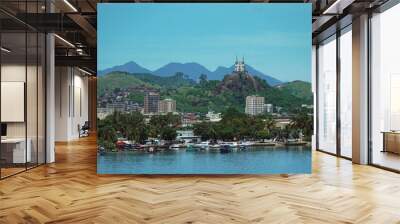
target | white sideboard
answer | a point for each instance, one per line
(19, 153)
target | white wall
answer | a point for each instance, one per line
(10, 73)
(17, 73)
(33, 126)
(62, 82)
(71, 102)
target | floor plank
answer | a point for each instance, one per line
(70, 191)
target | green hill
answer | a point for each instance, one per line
(122, 80)
(213, 94)
(299, 89)
(126, 80)
(177, 80)
(231, 92)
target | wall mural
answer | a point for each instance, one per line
(204, 88)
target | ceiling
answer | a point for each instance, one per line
(75, 21)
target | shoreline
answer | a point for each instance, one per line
(162, 148)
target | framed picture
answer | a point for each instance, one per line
(204, 88)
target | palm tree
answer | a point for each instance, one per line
(303, 122)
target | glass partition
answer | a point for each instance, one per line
(22, 88)
(385, 89)
(327, 95)
(13, 114)
(346, 93)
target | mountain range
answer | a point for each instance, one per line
(192, 70)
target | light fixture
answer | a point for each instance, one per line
(80, 51)
(337, 7)
(70, 5)
(5, 50)
(329, 9)
(64, 40)
(84, 71)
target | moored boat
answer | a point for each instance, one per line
(225, 149)
(202, 145)
(264, 144)
(246, 144)
(214, 146)
(231, 144)
(177, 146)
(294, 142)
(101, 150)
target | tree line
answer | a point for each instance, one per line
(234, 125)
(240, 126)
(133, 126)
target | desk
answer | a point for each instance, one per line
(391, 141)
(13, 150)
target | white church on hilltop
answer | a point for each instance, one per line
(240, 66)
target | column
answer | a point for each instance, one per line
(360, 90)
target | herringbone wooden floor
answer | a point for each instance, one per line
(70, 191)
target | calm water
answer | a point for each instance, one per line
(261, 160)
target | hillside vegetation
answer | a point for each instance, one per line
(120, 80)
(297, 88)
(208, 95)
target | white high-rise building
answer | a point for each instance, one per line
(167, 106)
(254, 105)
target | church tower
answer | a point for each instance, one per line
(239, 65)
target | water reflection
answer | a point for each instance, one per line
(260, 160)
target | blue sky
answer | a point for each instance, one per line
(273, 38)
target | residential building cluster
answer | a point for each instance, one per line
(153, 104)
(121, 101)
(189, 119)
